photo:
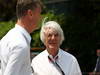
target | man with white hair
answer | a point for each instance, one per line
(53, 60)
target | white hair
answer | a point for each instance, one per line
(55, 26)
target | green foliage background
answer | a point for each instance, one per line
(5, 27)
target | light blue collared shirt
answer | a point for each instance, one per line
(15, 52)
(67, 62)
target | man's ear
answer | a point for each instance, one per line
(30, 12)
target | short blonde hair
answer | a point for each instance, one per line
(54, 25)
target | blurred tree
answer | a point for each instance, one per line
(7, 10)
(80, 29)
(5, 27)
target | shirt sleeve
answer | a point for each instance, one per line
(97, 69)
(75, 69)
(16, 61)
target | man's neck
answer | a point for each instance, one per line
(24, 25)
(53, 52)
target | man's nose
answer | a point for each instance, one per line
(53, 37)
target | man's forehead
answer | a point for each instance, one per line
(51, 30)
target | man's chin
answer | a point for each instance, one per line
(52, 47)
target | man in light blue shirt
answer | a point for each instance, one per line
(15, 45)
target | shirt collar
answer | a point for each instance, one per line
(53, 59)
(24, 31)
(50, 57)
